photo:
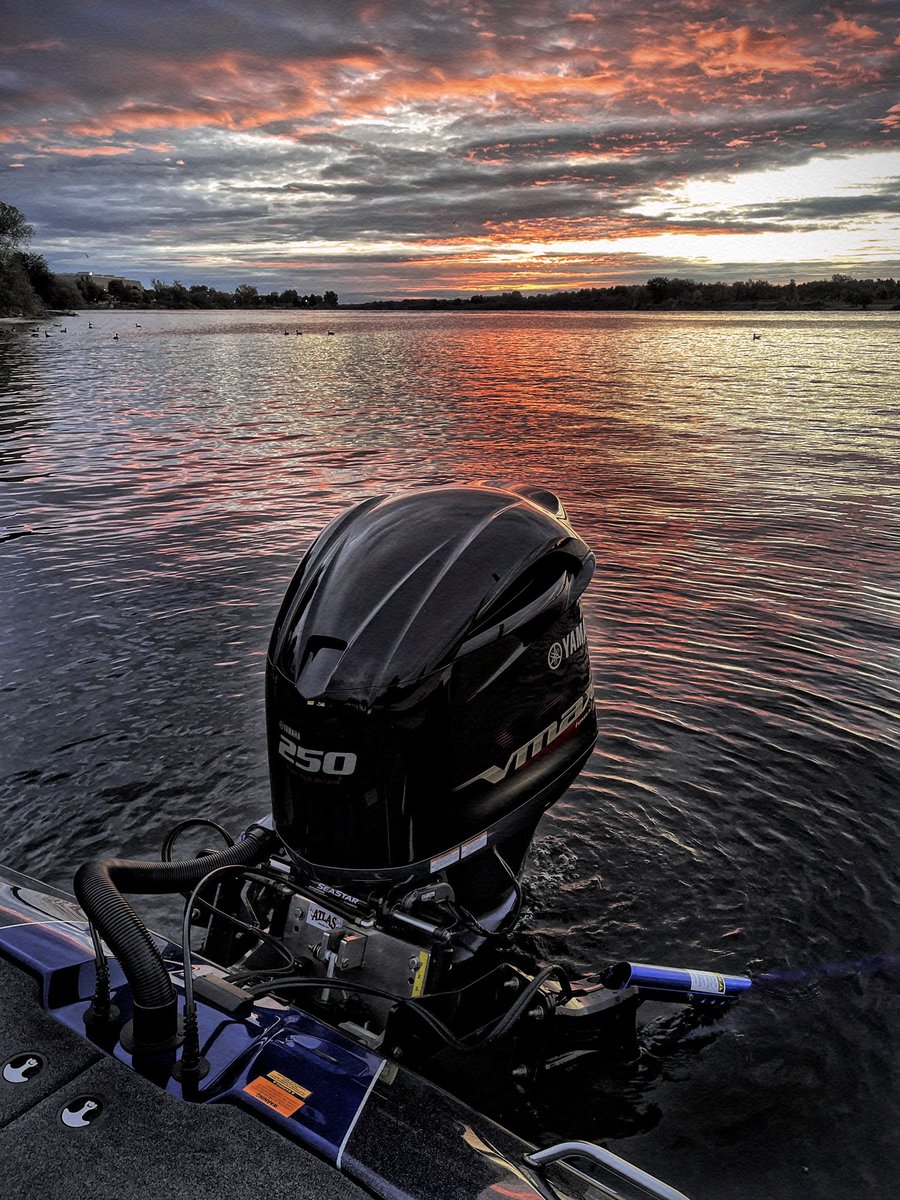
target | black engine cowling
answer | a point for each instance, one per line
(428, 685)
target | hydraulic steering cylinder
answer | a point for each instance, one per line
(677, 984)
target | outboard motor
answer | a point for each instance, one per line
(429, 692)
(428, 697)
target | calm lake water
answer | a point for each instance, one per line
(741, 811)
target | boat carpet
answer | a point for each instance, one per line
(144, 1142)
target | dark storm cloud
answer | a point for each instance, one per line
(183, 134)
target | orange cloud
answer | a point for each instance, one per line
(86, 151)
(132, 117)
(721, 52)
(852, 31)
(491, 92)
(242, 90)
(235, 91)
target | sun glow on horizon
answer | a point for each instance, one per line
(826, 175)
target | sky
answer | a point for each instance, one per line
(387, 149)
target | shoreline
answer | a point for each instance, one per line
(449, 307)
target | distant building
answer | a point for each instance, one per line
(103, 281)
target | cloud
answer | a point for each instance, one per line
(181, 137)
(853, 31)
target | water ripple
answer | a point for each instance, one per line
(740, 810)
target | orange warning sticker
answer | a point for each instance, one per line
(278, 1098)
(290, 1085)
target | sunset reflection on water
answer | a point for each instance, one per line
(740, 810)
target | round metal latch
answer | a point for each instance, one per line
(81, 1112)
(22, 1068)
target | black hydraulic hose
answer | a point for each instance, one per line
(99, 885)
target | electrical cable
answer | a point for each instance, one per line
(192, 1064)
(464, 917)
(306, 982)
(254, 930)
(504, 1024)
(522, 1003)
(517, 888)
(192, 822)
(508, 922)
(102, 1009)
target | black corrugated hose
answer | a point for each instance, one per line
(99, 885)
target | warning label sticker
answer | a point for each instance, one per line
(473, 845)
(706, 981)
(289, 1085)
(283, 1097)
(445, 860)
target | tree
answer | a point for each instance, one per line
(38, 274)
(162, 293)
(330, 300)
(17, 297)
(65, 294)
(181, 297)
(246, 295)
(53, 291)
(658, 287)
(125, 293)
(201, 296)
(91, 292)
(14, 229)
(17, 293)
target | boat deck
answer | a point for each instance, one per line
(143, 1142)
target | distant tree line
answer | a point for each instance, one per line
(28, 287)
(198, 295)
(663, 293)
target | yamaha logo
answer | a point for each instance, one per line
(565, 648)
